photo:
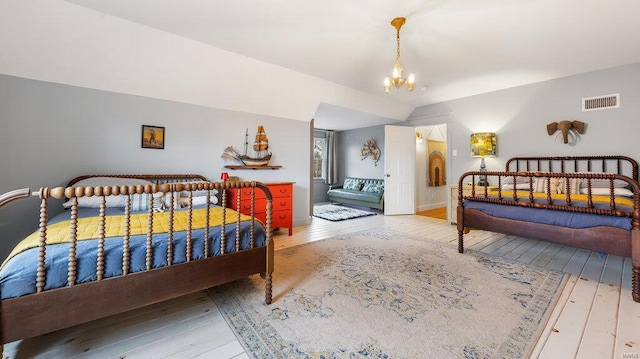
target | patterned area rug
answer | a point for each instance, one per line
(384, 294)
(335, 213)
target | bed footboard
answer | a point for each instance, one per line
(48, 310)
(8, 197)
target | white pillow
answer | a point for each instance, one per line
(603, 183)
(111, 201)
(517, 186)
(199, 196)
(618, 191)
(197, 200)
(519, 180)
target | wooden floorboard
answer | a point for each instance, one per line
(532, 253)
(577, 262)
(498, 242)
(555, 315)
(440, 213)
(565, 340)
(547, 255)
(561, 259)
(488, 242)
(521, 249)
(627, 328)
(599, 334)
(594, 316)
(508, 247)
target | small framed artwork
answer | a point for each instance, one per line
(152, 137)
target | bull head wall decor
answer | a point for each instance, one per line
(565, 128)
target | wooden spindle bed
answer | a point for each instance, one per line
(590, 202)
(134, 266)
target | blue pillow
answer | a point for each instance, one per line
(373, 187)
(352, 184)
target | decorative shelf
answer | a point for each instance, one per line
(252, 167)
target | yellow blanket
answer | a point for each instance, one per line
(524, 195)
(88, 228)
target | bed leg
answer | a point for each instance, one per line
(635, 284)
(267, 289)
(460, 241)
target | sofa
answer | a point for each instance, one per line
(366, 192)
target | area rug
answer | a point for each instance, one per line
(335, 213)
(384, 294)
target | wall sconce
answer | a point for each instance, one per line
(419, 137)
(483, 144)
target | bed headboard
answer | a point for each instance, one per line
(158, 179)
(621, 165)
(155, 178)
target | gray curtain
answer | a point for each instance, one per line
(332, 163)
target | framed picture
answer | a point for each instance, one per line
(152, 137)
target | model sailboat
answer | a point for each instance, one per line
(260, 147)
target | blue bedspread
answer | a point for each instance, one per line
(18, 276)
(548, 216)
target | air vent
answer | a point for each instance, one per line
(601, 102)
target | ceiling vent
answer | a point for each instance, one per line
(601, 102)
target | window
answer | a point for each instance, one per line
(319, 158)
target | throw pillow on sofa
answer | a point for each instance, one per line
(352, 184)
(373, 188)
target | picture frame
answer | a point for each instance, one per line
(153, 137)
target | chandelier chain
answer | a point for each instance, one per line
(398, 47)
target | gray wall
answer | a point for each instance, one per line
(520, 115)
(50, 133)
(351, 163)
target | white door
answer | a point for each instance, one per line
(399, 170)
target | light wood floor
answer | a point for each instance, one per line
(440, 213)
(595, 316)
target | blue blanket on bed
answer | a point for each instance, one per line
(549, 216)
(18, 276)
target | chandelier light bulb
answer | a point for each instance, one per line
(396, 73)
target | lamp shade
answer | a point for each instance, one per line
(483, 144)
(224, 176)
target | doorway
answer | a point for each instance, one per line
(432, 167)
(427, 197)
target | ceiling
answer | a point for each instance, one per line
(455, 48)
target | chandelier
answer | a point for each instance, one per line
(397, 80)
